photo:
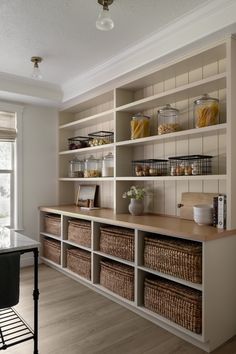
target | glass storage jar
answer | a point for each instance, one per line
(92, 167)
(76, 168)
(108, 165)
(206, 111)
(140, 126)
(168, 120)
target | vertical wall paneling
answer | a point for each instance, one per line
(149, 93)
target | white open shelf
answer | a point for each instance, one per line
(173, 178)
(166, 276)
(177, 94)
(67, 242)
(91, 179)
(91, 149)
(86, 122)
(176, 135)
(105, 255)
(58, 238)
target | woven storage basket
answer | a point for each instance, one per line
(118, 278)
(52, 250)
(52, 224)
(79, 231)
(117, 241)
(176, 302)
(79, 261)
(180, 258)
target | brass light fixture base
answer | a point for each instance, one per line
(36, 60)
(105, 2)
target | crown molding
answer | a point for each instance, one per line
(20, 89)
(214, 21)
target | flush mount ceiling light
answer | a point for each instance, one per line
(104, 21)
(36, 73)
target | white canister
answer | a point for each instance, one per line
(108, 165)
(203, 214)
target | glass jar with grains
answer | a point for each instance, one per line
(168, 120)
(140, 126)
(92, 167)
(76, 168)
(206, 111)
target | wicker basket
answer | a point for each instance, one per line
(118, 242)
(176, 302)
(79, 231)
(180, 258)
(79, 262)
(118, 278)
(52, 224)
(52, 250)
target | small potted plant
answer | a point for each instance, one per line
(136, 195)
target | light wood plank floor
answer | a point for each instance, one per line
(76, 320)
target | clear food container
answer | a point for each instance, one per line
(108, 165)
(206, 111)
(168, 120)
(101, 137)
(92, 167)
(76, 168)
(140, 126)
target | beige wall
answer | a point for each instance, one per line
(39, 177)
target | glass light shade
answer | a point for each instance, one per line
(36, 73)
(104, 22)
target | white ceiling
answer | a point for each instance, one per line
(63, 32)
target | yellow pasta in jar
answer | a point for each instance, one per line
(206, 112)
(140, 127)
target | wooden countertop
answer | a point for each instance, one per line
(166, 225)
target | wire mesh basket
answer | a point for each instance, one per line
(78, 142)
(190, 165)
(150, 167)
(101, 137)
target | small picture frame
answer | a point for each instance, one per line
(87, 195)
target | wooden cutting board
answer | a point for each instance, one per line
(190, 199)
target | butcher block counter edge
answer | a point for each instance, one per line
(165, 225)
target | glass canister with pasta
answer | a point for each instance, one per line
(206, 111)
(140, 126)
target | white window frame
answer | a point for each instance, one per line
(17, 168)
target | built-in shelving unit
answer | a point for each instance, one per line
(210, 70)
(178, 83)
(216, 244)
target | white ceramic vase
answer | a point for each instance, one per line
(136, 207)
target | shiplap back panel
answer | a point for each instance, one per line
(94, 110)
(162, 196)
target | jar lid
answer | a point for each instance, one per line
(108, 156)
(75, 160)
(205, 97)
(91, 157)
(168, 108)
(140, 115)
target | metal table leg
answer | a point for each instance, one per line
(36, 298)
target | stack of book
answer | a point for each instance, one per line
(219, 211)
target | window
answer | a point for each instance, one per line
(6, 183)
(10, 190)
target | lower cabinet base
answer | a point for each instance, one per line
(164, 323)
